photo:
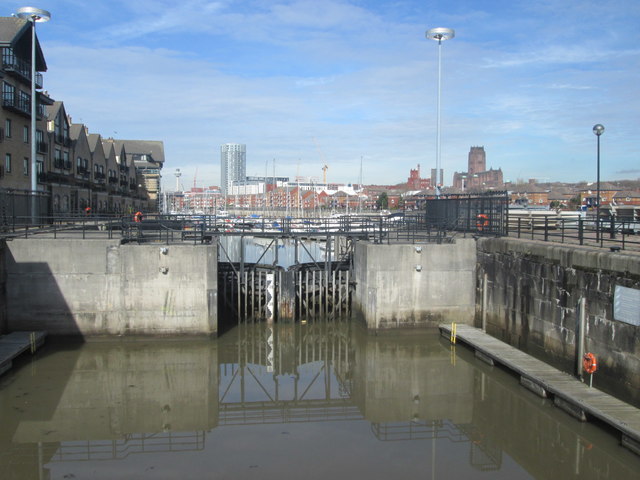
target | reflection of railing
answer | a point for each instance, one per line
(418, 430)
(484, 455)
(132, 443)
(286, 411)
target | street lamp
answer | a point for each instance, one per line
(439, 34)
(598, 130)
(33, 15)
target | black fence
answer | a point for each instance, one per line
(482, 214)
(24, 207)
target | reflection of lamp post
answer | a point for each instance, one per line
(33, 15)
(598, 130)
(439, 34)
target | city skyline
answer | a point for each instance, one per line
(310, 84)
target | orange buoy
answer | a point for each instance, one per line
(589, 363)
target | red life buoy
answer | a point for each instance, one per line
(482, 221)
(589, 363)
(137, 217)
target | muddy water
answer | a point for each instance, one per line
(314, 401)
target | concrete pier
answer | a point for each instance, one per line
(569, 394)
(15, 344)
(415, 285)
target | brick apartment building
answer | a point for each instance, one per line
(74, 168)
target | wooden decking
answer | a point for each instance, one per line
(16, 343)
(569, 393)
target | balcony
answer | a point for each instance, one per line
(113, 180)
(18, 105)
(62, 140)
(58, 163)
(99, 177)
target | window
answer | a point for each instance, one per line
(8, 94)
(25, 166)
(7, 128)
(7, 163)
(25, 134)
(24, 101)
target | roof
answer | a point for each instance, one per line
(16, 33)
(94, 138)
(153, 151)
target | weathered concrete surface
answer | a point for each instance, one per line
(415, 285)
(99, 287)
(533, 293)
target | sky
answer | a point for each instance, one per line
(352, 84)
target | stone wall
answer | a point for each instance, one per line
(414, 285)
(533, 297)
(99, 287)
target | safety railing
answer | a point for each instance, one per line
(612, 233)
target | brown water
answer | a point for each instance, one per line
(316, 401)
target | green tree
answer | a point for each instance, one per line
(383, 201)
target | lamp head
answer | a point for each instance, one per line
(33, 14)
(440, 33)
(598, 129)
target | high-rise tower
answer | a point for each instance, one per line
(233, 163)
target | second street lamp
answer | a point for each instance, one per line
(598, 130)
(439, 34)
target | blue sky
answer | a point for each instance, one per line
(336, 81)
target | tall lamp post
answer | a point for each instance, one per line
(439, 34)
(33, 15)
(598, 130)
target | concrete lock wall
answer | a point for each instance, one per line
(415, 285)
(99, 287)
(533, 292)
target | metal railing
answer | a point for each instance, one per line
(612, 233)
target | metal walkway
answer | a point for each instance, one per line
(569, 393)
(16, 343)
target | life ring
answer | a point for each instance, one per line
(137, 217)
(589, 363)
(482, 221)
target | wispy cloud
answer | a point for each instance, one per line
(358, 76)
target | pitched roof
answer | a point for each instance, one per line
(152, 149)
(16, 33)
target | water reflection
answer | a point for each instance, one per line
(323, 397)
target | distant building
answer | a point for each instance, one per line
(147, 156)
(233, 165)
(415, 182)
(477, 177)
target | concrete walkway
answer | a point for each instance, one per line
(16, 343)
(568, 393)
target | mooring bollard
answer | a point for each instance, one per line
(452, 339)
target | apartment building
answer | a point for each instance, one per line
(77, 171)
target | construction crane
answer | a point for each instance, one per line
(325, 167)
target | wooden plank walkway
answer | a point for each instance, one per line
(569, 393)
(16, 343)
